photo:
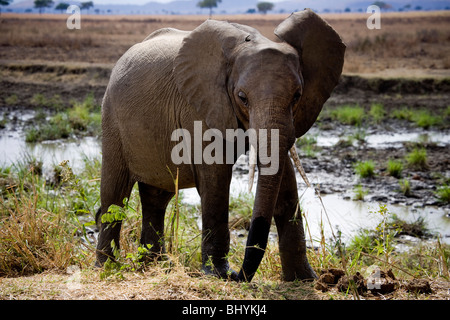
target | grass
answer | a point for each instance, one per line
(424, 119)
(417, 159)
(43, 233)
(365, 169)
(443, 193)
(350, 115)
(395, 168)
(81, 118)
(377, 112)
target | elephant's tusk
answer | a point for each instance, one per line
(298, 165)
(251, 164)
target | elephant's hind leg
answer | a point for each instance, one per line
(154, 203)
(291, 236)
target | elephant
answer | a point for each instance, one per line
(220, 76)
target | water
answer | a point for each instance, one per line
(345, 216)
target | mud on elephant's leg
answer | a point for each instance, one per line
(154, 203)
(213, 187)
(291, 234)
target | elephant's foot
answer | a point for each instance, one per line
(224, 271)
(298, 271)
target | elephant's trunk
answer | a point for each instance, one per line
(270, 174)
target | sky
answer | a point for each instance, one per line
(135, 2)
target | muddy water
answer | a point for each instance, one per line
(13, 147)
(342, 215)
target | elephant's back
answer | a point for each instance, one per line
(142, 105)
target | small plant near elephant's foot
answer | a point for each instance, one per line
(365, 169)
(417, 159)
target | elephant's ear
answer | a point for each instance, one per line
(201, 71)
(321, 52)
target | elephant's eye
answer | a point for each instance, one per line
(297, 96)
(243, 97)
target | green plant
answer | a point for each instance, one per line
(417, 159)
(377, 112)
(360, 193)
(403, 114)
(12, 100)
(443, 193)
(395, 168)
(365, 169)
(351, 115)
(405, 187)
(425, 119)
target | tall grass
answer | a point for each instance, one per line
(43, 227)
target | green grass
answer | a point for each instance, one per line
(443, 193)
(350, 115)
(82, 118)
(395, 168)
(365, 169)
(377, 112)
(42, 227)
(405, 187)
(417, 159)
(424, 119)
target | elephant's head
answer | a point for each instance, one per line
(235, 77)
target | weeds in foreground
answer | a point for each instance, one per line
(443, 193)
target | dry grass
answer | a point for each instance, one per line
(411, 40)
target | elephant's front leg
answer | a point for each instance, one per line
(291, 235)
(213, 185)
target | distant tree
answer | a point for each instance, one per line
(251, 10)
(264, 6)
(4, 3)
(86, 5)
(382, 5)
(42, 4)
(209, 4)
(62, 6)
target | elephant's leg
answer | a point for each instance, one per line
(291, 235)
(116, 185)
(213, 185)
(154, 202)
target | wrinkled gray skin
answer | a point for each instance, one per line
(227, 76)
